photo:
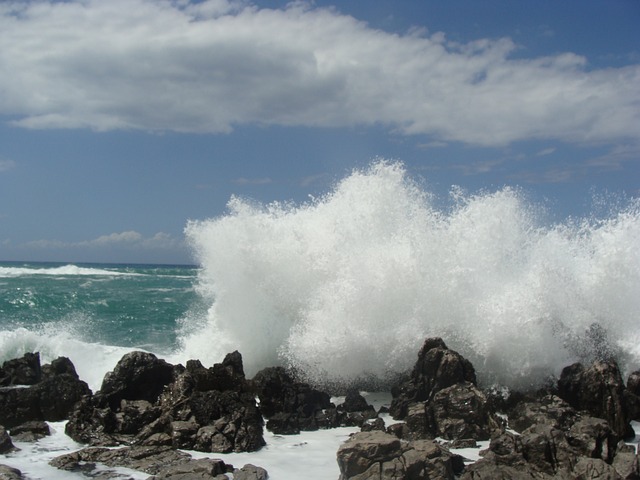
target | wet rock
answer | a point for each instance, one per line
(437, 368)
(161, 462)
(548, 410)
(383, 456)
(598, 389)
(250, 472)
(21, 371)
(10, 473)
(30, 431)
(6, 445)
(461, 412)
(592, 469)
(291, 406)
(137, 376)
(52, 397)
(207, 409)
(355, 411)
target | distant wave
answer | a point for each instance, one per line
(66, 270)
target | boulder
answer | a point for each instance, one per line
(437, 368)
(378, 455)
(10, 473)
(30, 431)
(250, 472)
(21, 371)
(206, 409)
(52, 397)
(598, 389)
(6, 445)
(355, 411)
(292, 406)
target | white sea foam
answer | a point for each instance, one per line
(91, 360)
(349, 285)
(65, 270)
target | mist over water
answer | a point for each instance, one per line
(347, 286)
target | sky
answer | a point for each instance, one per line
(122, 120)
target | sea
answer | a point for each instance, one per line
(344, 288)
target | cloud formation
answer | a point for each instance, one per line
(6, 165)
(174, 66)
(130, 239)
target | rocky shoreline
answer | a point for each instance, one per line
(147, 412)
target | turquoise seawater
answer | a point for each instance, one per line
(132, 306)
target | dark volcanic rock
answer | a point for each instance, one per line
(437, 368)
(206, 409)
(21, 371)
(52, 397)
(599, 390)
(380, 455)
(355, 411)
(292, 406)
(10, 473)
(137, 376)
(162, 462)
(30, 431)
(6, 445)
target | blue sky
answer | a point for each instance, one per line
(121, 121)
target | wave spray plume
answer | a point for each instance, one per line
(346, 287)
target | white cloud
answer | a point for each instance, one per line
(172, 65)
(546, 151)
(129, 239)
(252, 181)
(6, 165)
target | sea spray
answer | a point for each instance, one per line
(347, 286)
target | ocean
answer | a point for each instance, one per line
(344, 288)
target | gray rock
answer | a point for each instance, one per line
(6, 445)
(30, 431)
(250, 472)
(10, 473)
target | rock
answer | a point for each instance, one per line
(21, 371)
(250, 472)
(355, 410)
(373, 424)
(599, 390)
(548, 410)
(51, 398)
(204, 469)
(6, 445)
(289, 405)
(437, 368)
(593, 437)
(383, 456)
(162, 462)
(592, 469)
(626, 462)
(211, 410)
(30, 431)
(137, 376)
(10, 473)
(461, 412)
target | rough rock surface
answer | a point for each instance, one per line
(30, 431)
(10, 473)
(379, 455)
(197, 408)
(52, 391)
(292, 406)
(437, 368)
(6, 445)
(598, 389)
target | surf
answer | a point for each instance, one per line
(345, 287)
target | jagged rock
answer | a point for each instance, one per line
(373, 424)
(202, 469)
(593, 437)
(52, 397)
(599, 390)
(211, 410)
(461, 412)
(549, 409)
(593, 469)
(10, 473)
(291, 406)
(250, 472)
(378, 455)
(355, 410)
(30, 431)
(437, 368)
(137, 376)
(21, 371)
(6, 445)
